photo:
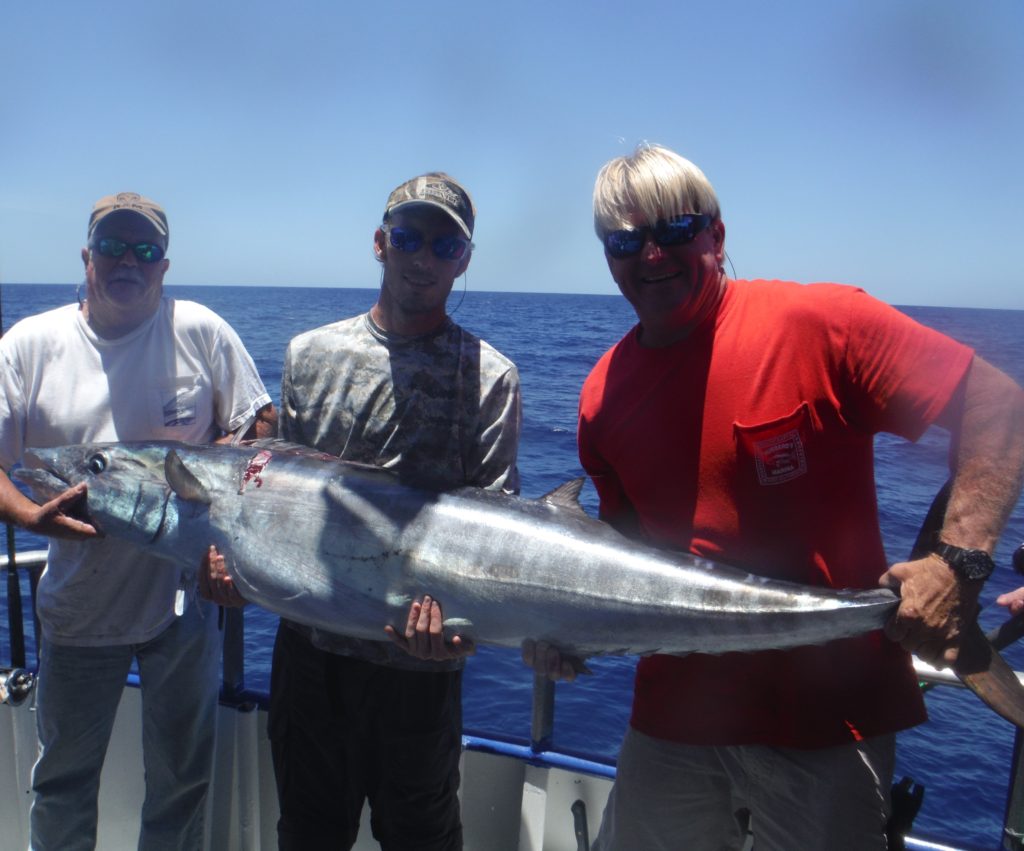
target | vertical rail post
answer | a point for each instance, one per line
(542, 723)
(1013, 823)
(15, 625)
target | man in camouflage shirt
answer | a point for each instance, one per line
(401, 387)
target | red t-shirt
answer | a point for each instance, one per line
(751, 442)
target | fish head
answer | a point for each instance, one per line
(127, 491)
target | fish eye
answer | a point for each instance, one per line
(97, 464)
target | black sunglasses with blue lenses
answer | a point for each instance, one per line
(411, 240)
(675, 231)
(145, 252)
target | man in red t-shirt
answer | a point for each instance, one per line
(736, 421)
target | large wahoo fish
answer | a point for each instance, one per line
(347, 547)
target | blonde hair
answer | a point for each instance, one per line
(654, 181)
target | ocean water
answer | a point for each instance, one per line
(962, 755)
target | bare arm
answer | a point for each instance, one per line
(987, 460)
(264, 425)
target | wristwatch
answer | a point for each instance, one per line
(968, 564)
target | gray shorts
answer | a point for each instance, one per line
(672, 797)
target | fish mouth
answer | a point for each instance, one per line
(44, 484)
(40, 460)
(47, 483)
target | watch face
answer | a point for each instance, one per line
(976, 564)
(970, 564)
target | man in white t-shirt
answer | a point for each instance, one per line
(127, 363)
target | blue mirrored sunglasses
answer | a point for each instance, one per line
(145, 252)
(410, 240)
(675, 231)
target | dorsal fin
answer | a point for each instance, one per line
(182, 481)
(566, 495)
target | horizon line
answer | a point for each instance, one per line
(478, 291)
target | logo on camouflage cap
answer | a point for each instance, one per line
(437, 190)
(134, 202)
(443, 192)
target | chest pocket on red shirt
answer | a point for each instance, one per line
(775, 451)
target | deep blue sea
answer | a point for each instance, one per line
(962, 755)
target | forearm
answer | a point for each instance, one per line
(263, 425)
(15, 507)
(987, 458)
(266, 423)
(986, 420)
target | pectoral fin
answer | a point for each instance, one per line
(183, 482)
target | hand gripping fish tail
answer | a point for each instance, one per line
(979, 665)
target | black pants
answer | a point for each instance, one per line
(343, 730)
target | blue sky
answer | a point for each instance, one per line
(863, 141)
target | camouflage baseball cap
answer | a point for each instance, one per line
(437, 190)
(133, 201)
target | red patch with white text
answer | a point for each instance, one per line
(780, 459)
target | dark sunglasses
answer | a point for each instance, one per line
(676, 231)
(145, 252)
(411, 240)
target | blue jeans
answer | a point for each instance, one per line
(77, 696)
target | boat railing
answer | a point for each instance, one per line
(540, 750)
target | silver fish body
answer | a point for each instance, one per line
(346, 548)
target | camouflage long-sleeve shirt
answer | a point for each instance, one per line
(442, 410)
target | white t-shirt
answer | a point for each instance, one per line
(183, 375)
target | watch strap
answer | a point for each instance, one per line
(966, 563)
